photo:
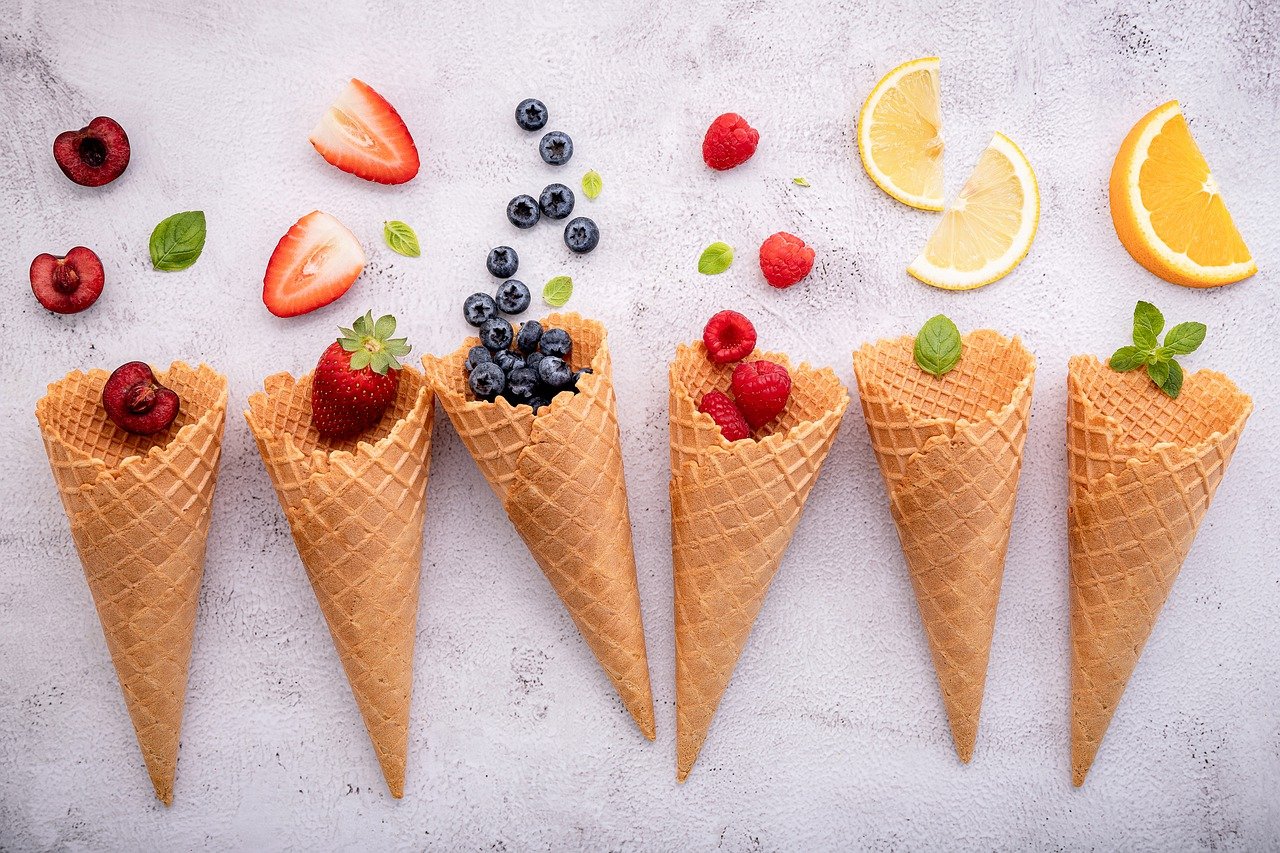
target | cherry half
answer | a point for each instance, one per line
(67, 284)
(136, 402)
(94, 155)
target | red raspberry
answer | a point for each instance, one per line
(762, 389)
(785, 259)
(729, 142)
(729, 336)
(726, 415)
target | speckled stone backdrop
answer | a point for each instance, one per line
(832, 734)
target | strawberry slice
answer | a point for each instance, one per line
(362, 134)
(313, 264)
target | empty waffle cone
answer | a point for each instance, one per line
(1142, 470)
(139, 508)
(559, 476)
(356, 509)
(734, 508)
(950, 451)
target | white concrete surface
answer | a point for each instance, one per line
(832, 734)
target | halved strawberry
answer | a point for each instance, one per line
(362, 134)
(313, 264)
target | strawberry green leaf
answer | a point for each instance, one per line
(385, 327)
(360, 359)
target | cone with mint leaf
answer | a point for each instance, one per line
(348, 451)
(1146, 450)
(947, 415)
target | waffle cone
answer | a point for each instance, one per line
(559, 476)
(139, 508)
(950, 451)
(356, 509)
(734, 507)
(1143, 469)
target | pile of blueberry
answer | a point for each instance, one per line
(528, 367)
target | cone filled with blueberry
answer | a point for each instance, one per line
(546, 438)
(742, 467)
(348, 450)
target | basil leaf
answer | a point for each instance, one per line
(557, 291)
(1159, 371)
(1185, 338)
(800, 182)
(715, 259)
(592, 183)
(1148, 322)
(1172, 384)
(177, 241)
(1126, 359)
(401, 238)
(938, 346)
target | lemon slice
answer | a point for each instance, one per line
(989, 226)
(900, 134)
(1168, 210)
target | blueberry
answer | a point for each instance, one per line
(532, 359)
(578, 375)
(581, 235)
(530, 335)
(556, 148)
(507, 360)
(479, 308)
(496, 334)
(503, 262)
(556, 201)
(513, 297)
(556, 342)
(539, 401)
(554, 371)
(487, 381)
(531, 114)
(522, 211)
(475, 356)
(522, 381)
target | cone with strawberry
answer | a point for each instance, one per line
(741, 471)
(348, 451)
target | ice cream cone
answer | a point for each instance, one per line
(734, 507)
(139, 508)
(559, 476)
(950, 451)
(356, 509)
(1143, 468)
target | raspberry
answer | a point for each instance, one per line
(785, 259)
(726, 415)
(729, 336)
(729, 142)
(762, 389)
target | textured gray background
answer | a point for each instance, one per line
(832, 733)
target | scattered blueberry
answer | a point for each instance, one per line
(530, 334)
(479, 309)
(556, 342)
(531, 360)
(477, 355)
(503, 261)
(556, 148)
(513, 297)
(522, 211)
(496, 334)
(507, 360)
(531, 114)
(487, 380)
(581, 235)
(556, 201)
(522, 381)
(554, 371)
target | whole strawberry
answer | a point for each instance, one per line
(762, 389)
(785, 259)
(726, 415)
(729, 142)
(357, 377)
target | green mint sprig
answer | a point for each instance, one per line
(938, 346)
(1158, 358)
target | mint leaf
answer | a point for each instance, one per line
(401, 238)
(1184, 338)
(1126, 359)
(1172, 384)
(592, 183)
(557, 291)
(800, 182)
(177, 241)
(938, 346)
(715, 259)
(1148, 322)
(1159, 371)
